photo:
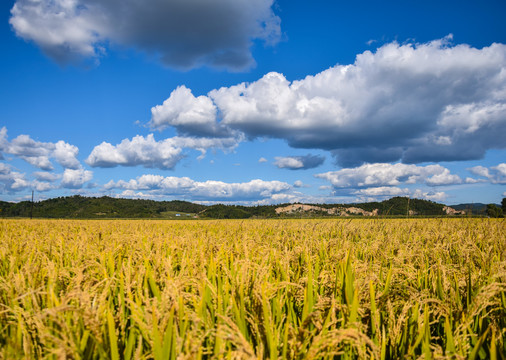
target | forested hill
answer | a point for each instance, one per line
(79, 207)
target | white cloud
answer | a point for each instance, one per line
(4, 169)
(18, 183)
(289, 163)
(469, 180)
(480, 171)
(58, 27)
(204, 144)
(46, 176)
(34, 152)
(388, 191)
(375, 182)
(11, 180)
(299, 162)
(148, 152)
(41, 186)
(134, 195)
(495, 174)
(75, 179)
(208, 190)
(45, 181)
(14, 181)
(180, 33)
(65, 154)
(3, 140)
(383, 174)
(262, 160)
(409, 102)
(438, 196)
(138, 151)
(442, 178)
(500, 171)
(187, 113)
(298, 184)
(39, 154)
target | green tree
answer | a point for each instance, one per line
(494, 211)
(503, 204)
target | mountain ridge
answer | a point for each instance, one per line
(80, 207)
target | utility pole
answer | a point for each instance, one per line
(31, 211)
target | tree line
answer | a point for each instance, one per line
(81, 207)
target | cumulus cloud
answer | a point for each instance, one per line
(470, 180)
(298, 184)
(148, 152)
(495, 174)
(138, 151)
(14, 181)
(46, 176)
(262, 160)
(437, 196)
(387, 191)
(411, 102)
(57, 27)
(75, 179)
(11, 180)
(480, 171)
(207, 190)
(383, 174)
(38, 153)
(181, 33)
(4, 169)
(41, 186)
(190, 115)
(299, 162)
(3, 140)
(65, 155)
(34, 152)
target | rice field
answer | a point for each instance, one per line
(254, 289)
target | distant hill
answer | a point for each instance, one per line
(403, 205)
(80, 207)
(475, 208)
(221, 211)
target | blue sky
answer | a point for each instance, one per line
(253, 101)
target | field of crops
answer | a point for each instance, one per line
(255, 289)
